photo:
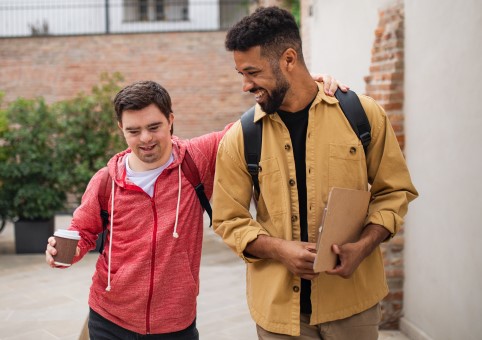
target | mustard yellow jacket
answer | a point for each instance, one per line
(334, 157)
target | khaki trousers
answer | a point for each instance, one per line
(362, 326)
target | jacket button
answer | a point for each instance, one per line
(294, 218)
(292, 182)
(287, 147)
(296, 289)
(353, 150)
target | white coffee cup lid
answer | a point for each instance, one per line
(72, 234)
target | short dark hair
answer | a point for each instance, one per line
(272, 28)
(140, 95)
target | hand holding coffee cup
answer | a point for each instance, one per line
(66, 245)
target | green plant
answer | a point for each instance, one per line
(47, 152)
(3, 128)
(29, 175)
(88, 134)
(294, 7)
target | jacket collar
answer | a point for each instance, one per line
(321, 96)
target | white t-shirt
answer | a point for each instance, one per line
(146, 179)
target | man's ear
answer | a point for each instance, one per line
(119, 124)
(289, 59)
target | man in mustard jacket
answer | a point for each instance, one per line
(308, 147)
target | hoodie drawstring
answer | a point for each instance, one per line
(175, 234)
(111, 234)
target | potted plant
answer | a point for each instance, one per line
(30, 192)
(49, 153)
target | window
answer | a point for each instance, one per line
(142, 8)
(160, 10)
(156, 10)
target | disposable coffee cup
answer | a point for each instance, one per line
(66, 244)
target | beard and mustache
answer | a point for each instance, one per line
(274, 99)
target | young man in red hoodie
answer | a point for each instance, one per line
(147, 278)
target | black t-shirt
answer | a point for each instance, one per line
(297, 124)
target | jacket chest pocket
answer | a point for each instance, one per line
(347, 166)
(272, 200)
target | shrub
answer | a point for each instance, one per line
(29, 175)
(47, 152)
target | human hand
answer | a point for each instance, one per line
(330, 84)
(50, 252)
(298, 257)
(350, 256)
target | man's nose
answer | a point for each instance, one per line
(146, 136)
(247, 84)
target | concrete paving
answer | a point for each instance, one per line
(41, 303)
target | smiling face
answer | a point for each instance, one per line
(147, 133)
(263, 79)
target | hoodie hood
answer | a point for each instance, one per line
(117, 168)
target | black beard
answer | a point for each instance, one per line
(274, 101)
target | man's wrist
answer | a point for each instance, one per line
(372, 236)
(264, 247)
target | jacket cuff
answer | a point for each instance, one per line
(242, 241)
(387, 219)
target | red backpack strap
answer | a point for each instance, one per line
(191, 172)
(104, 196)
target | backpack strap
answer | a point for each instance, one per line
(354, 112)
(104, 196)
(191, 172)
(252, 136)
(252, 132)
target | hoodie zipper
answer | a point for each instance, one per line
(153, 259)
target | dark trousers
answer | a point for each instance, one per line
(102, 329)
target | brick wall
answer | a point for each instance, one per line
(385, 85)
(385, 81)
(194, 67)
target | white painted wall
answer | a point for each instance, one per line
(62, 17)
(88, 17)
(443, 108)
(443, 124)
(341, 39)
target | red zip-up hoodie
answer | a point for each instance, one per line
(147, 280)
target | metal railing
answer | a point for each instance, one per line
(79, 17)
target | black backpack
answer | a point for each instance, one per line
(252, 132)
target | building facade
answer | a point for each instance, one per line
(80, 17)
